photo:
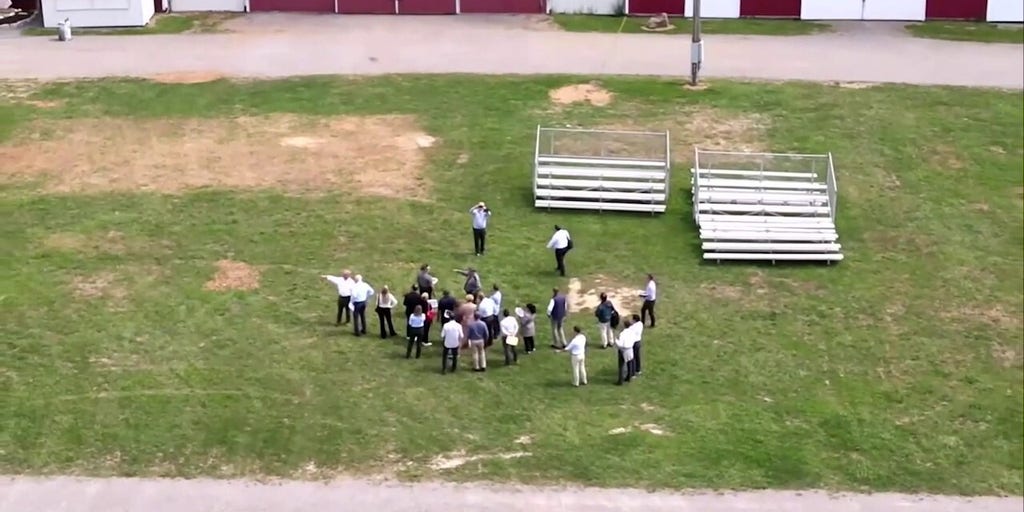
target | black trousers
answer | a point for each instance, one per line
(415, 339)
(560, 259)
(449, 352)
(479, 240)
(511, 356)
(636, 357)
(647, 308)
(429, 290)
(343, 310)
(528, 343)
(426, 331)
(384, 319)
(359, 317)
(625, 368)
(492, 328)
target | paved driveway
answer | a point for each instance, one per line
(278, 46)
(131, 495)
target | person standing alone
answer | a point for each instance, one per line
(577, 349)
(558, 309)
(561, 242)
(344, 283)
(650, 295)
(481, 214)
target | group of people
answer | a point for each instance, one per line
(479, 320)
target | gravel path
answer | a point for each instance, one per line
(134, 495)
(280, 45)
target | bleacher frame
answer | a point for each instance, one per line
(613, 170)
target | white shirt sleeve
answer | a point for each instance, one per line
(334, 279)
(551, 305)
(554, 238)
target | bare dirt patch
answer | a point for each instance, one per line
(707, 128)
(460, 458)
(378, 155)
(625, 298)
(103, 285)
(591, 93)
(945, 157)
(1007, 357)
(187, 77)
(995, 316)
(234, 275)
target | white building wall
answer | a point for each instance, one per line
(895, 10)
(586, 6)
(97, 13)
(1006, 11)
(831, 9)
(208, 5)
(715, 9)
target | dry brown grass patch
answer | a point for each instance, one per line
(945, 157)
(707, 128)
(103, 285)
(113, 242)
(234, 275)
(1008, 357)
(993, 315)
(580, 296)
(187, 77)
(591, 93)
(377, 155)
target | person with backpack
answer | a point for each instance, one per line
(607, 320)
(561, 242)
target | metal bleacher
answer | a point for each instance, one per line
(765, 206)
(601, 170)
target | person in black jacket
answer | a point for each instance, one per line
(411, 300)
(446, 304)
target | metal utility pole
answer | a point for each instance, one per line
(697, 47)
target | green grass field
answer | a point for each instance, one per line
(968, 31)
(899, 369)
(634, 25)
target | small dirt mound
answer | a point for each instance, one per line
(581, 93)
(188, 77)
(234, 275)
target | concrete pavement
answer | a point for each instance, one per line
(63, 494)
(279, 45)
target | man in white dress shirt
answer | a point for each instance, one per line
(577, 349)
(361, 292)
(344, 283)
(488, 312)
(481, 214)
(561, 242)
(650, 294)
(453, 336)
(625, 343)
(638, 338)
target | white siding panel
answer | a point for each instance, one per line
(97, 13)
(715, 9)
(1006, 11)
(586, 6)
(895, 10)
(831, 9)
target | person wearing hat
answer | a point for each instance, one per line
(480, 213)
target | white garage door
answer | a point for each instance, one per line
(895, 10)
(1006, 10)
(207, 5)
(715, 8)
(831, 9)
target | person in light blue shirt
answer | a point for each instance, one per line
(481, 214)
